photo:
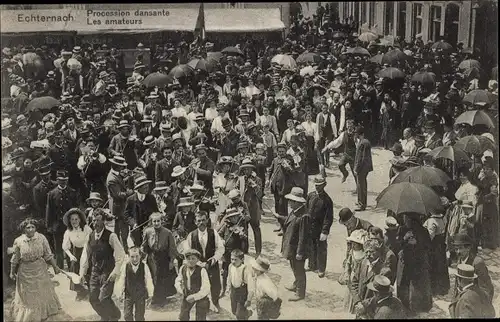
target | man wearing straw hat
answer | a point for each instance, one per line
(118, 194)
(59, 201)
(123, 144)
(138, 207)
(296, 244)
(471, 301)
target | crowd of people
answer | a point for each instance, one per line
(101, 171)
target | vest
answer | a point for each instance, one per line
(252, 115)
(327, 126)
(135, 284)
(350, 145)
(210, 249)
(195, 280)
(101, 253)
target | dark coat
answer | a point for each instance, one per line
(137, 212)
(58, 202)
(363, 160)
(436, 141)
(163, 170)
(296, 236)
(40, 192)
(320, 207)
(282, 117)
(483, 276)
(472, 303)
(389, 308)
(117, 192)
(359, 285)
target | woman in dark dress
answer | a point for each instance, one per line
(487, 206)
(413, 274)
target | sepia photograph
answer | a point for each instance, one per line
(250, 161)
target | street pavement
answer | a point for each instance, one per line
(325, 296)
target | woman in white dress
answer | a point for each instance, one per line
(74, 240)
(312, 138)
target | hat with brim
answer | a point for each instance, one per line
(166, 128)
(62, 175)
(462, 240)
(123, 123)
(43, 171)
(118, 160)
(358, 236)
(242, 145)
(196, 187)
(94, 196)
(225, 160)
(149, 140)
(247, 164)
(67, 215)
(466, 271)
(200, 147)
(261, 264)
(397, 148)
(192, 252)
(380, 284)
(147, 119)
(185, 202)
(296, 194)
(160, 186)
(177, 171)
(319, 181)
(141, 181)
(231, 212)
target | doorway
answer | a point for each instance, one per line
(451, 23)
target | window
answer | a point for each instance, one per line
(372, 13)
(401, 30)
(345, 9)
(417, 19)
(389, 18)
(234, 5)
(435, 23)
(363, 12)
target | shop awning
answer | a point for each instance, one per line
(243, 20)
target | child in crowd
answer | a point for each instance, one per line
(135, 285)
(94, 201)
(239, 276)
(194, 285)
(268, 302)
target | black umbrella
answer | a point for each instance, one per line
(42, 103)
(181, 71)
(202, 64)
(157, 80)
(360, 51)
(394, 56)
(424, 78)
(391, 73)
(232, 51)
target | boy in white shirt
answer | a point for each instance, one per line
(268, 302)
(239, 278)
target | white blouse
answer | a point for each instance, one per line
(75, 237)
(467, 192)
(311, 129)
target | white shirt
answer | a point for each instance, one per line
(238, 275)
(203, 239)
(75, 237)
(119, 287)
(311, 129)
(210, 113)
(265, 286)
(118, 253)
(140, 196)
(178, 112)
(217, 125)
(205, 283)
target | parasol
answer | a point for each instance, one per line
(202, 64)
(321, 89)
(284, 60)
(367, 36)
(424, 78)
(181, 71)
(157, 80)
(308, 70)
(377, 59)
(475, 117)
(472, 73)
(442, 45)
(394, 56)
(358, 51)
(452, 153)
(232, 51)
(475, 144)
(214, 55)
(425, 175)
(391, 73)
(468, 64)
(480, 97)
(42, 103)
(409, 197)
(309, 58)
(74, 64)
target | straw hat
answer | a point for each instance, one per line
(191, 252)
(247, 164)
(261, 264)
(318, 181)
(358, 236)
(197, 187)
(185, 202)
(160, 186)
(62, 174)
(118, 160)
(141, 181)
(147, 119)
(72, 211)
(123, 123)
(94, 196)
(296, 194)
(177, 171)
(149, 140)
(381, 284)
(225, 160)
(466, 271)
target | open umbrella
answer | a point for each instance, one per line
(409, 197)
(425, 175)
(391, 73)
(74, 64)
(284, 60)
(308, 70)
(232, 51)
(377, 59)
(475, 117)
(394, 56)
(339, 35)
(472, 73)
(452, 153)
(42, 103)
(181, 71)
(442, 45)
(468, 64)
(157, 80)
(314, 87)
(214, 55)
(424, 78)
(202, 64)
(480, 97)
(368, 36)
(475, 144)
(309, 58)
(358, 51)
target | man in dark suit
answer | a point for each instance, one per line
(352, 223)
(118, 194)
(320, 207)
(138, 208)
(382, 306)
(59, 200)
(228, 145)
(296, 244)
(282, 113)
(40, 191)
(362, 166)
(164, 167)
(471, 302)
(433, 139)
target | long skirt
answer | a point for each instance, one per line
(163, 278)
(74, 267)
(35, 298)
(311, 157)
(440, 279)
(489, 226)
